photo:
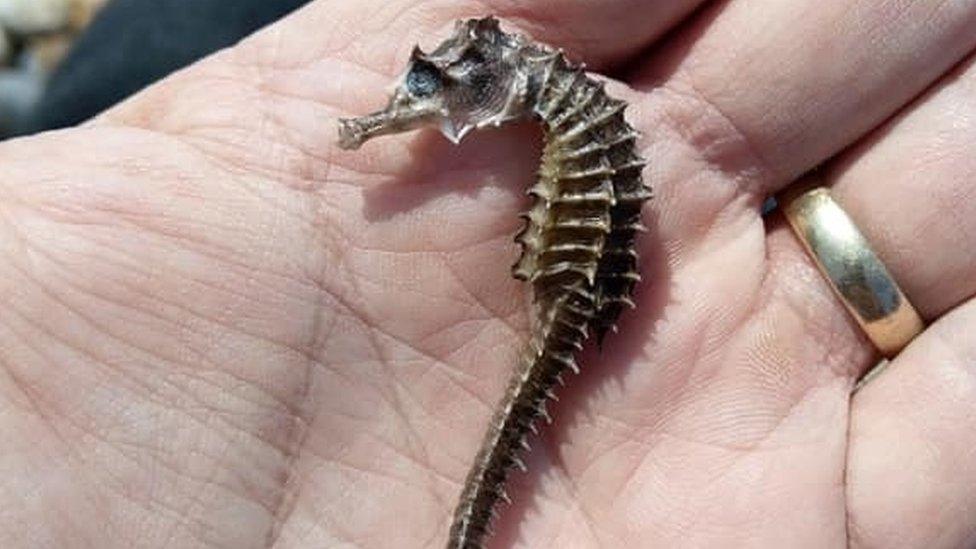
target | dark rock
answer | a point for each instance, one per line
(133, 43)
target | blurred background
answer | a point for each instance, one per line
(64, 61)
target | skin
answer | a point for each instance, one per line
(221, 331)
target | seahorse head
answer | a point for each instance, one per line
(471, 80)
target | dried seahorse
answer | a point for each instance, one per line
(578, 250)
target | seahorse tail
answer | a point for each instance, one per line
(547, 358)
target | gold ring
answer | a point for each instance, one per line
(858, 277)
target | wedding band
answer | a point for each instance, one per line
(855, 273)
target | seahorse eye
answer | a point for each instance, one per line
(424, 79)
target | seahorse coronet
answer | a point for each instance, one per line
(578, 242)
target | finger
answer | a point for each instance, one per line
(794, 356)
(911, 479)
(763, 90)
(912, 188)
(907, 189)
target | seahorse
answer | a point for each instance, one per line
(578, 243)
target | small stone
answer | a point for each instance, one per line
(82, 13)
(6, 50)
(34, 16)
(48, 50)
(20, 90)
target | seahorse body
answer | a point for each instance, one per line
(578, 244)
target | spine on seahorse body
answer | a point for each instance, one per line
(578, 255)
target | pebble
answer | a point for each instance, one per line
(6, 48)
(35, 35)
(83, 11)
(48, 50)
(20, 90)
(34, 16)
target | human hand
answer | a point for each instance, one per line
(222, 331)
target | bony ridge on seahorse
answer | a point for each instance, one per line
(578, 244)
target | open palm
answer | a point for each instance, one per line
(221, 331)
